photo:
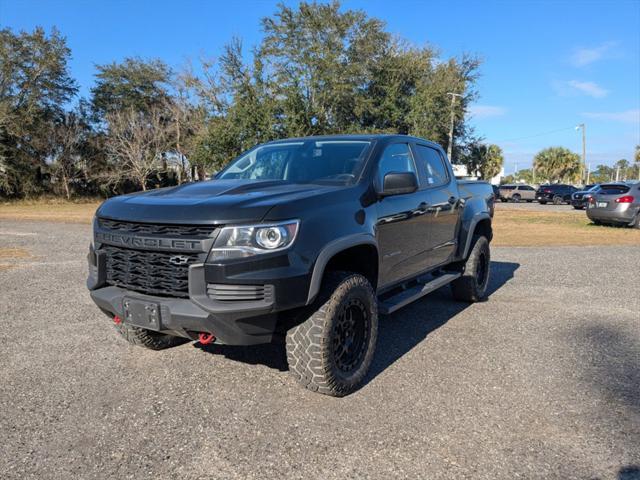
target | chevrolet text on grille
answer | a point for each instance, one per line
(148, 242)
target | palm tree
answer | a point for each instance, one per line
(557, 164)
(485, 160)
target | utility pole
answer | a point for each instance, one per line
(453, 102)
(583, 127)
(588, 173)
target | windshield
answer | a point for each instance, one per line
(310, 161)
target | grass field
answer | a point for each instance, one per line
(512, 228)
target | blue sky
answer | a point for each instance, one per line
(548, 65)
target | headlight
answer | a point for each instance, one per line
(249, 240)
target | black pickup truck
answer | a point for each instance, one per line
(302, 241)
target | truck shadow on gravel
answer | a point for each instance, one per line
(400, 332)
(397, 333)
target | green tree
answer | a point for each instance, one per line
(34, 86)
(321, 69)
(557, 164)
(602, 174)
(485, 160)
(134, 84)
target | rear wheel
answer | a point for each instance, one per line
(516, 198)
(557, 200)
(147, 338)
(636, 222)
(472, 285)
(332, 350)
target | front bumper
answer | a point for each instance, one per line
(232, 321)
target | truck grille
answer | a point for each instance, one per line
(155, 273)
(191, 231)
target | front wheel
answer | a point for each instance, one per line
(472, 285)
(332, 350)
(516, 198)
(557, 200)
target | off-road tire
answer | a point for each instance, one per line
(311, 346)
(472, 285)
(148, 339)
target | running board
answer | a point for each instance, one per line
(409, 295)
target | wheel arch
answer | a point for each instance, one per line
(480, 224)
(357, 253)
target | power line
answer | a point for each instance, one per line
(537, 134)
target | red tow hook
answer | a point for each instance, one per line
(206, 338)
(117, 320)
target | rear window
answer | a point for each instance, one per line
(613, 189)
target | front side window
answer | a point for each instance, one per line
(431, 166)
(310, 161)
(396, 158)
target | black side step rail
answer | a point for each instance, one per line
(409, 295)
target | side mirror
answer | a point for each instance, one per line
(396, 183)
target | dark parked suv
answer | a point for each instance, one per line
(557, 193)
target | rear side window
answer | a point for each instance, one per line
(507, 187)
(527, 188)
(395, 158)
(431, 167)
(613, 189)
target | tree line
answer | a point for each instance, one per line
(319, 69)
(560, 165)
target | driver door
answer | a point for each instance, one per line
(402, 220)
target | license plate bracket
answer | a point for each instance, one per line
(140, 313)
(602, 204)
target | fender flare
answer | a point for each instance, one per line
(331, 249)
(478, 217)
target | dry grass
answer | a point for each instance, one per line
(53, 210)
(525, 229)
(10, 254)
(512, 227)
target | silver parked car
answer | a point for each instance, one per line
(615, 204)
(517, 193)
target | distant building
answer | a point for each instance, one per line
(461, 172)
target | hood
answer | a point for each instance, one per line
(210, 202)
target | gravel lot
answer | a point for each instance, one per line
(541, 381)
